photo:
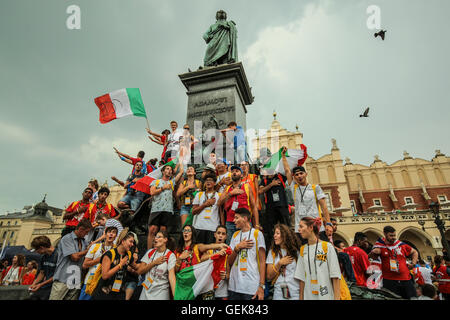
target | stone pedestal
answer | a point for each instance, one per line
(222, 91)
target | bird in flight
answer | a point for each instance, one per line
(365, 114)
(380, 33)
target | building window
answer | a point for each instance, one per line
(15, 223)
(1, 223)
(409, 200)
(328, 200)
(4, 234)
(8, 223)
(377, 202)
(353, 206)
(12, 234)
(442, 198)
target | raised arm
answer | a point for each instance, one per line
(180, 174)
(156, 135)
(156, 141)
(287, 169)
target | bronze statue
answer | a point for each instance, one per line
(221, 40)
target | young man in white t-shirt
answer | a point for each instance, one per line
(206, 211)
(305, 198)
(246, 265)
(173, 142)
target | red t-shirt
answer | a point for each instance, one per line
(73, 222)
(28, 278)
(163, 140)
(441, 274)
(92, 212)
(242, 199)
(394, 252)
(360, 263)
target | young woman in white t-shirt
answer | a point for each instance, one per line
(13, 275)
(158, 265)
(281, 264)
(318, 271)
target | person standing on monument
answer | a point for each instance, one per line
(221, 38)
(309, 199)
(239, 143)
(173, 142)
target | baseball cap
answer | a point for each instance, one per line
(236, 167)
(211, 167)
(298, 168)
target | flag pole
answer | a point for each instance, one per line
(148, 124)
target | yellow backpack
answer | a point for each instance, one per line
(93, 280)
(345, 292)
(159, 180)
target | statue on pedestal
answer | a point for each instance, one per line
(221, 40)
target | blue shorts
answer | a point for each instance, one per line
(130, 285)
(185, 210)
(134, 200)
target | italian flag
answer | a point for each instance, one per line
(200, 278)
(294, 158)
(143, 184)
(119, 104)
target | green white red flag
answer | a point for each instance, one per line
(119, 104)
(200, 278)
(143, 184)
(294, 158)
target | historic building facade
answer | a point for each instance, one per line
(19, 228)
(367, 198)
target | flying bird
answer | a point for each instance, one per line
(380, 33)
(365, 114)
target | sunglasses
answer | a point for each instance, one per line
(187, 231)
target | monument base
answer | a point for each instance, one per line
(216, 96)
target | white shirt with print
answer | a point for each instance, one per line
(246, 282)
(286, 278)
(323, 268)
(160, 288)
(209, 218)
(95, 252)
(307, 207)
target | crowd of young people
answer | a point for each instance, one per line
(228, 208)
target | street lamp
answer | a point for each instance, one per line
(434, 206)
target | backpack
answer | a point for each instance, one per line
(93, 280)
(313, 186)
(159, 180)
(345, 292)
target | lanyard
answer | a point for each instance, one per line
(303, 193)
(153, 258)
(249, 233)
(309, 258)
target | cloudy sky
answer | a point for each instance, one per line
(315, 62)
